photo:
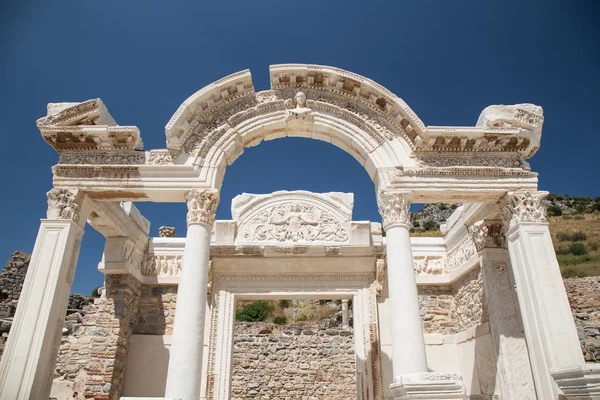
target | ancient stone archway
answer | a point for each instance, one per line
(102, 163)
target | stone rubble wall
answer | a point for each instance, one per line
(292, 362)
(91, 362)
(156, 310)
(448, 310)
(584, 297)
(11, 282)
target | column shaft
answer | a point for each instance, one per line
(408, 344)
(185, 361)
(30, 356)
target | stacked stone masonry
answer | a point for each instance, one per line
(584, 297)
(452, 309)
(91, 362)
(292, 362)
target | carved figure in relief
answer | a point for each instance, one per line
(379, 275)
(300, 112)
(294, 223)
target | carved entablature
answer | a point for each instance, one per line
(488, 234)
(524, 207)
(84, 127)
(293, 218)
(208, 108)
(62, 204)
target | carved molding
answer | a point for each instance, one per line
(460, 253)
(133, 255)
(524, 207)
(162, 265)
(439, 160)
(430, 265)
(62, 204)
(202, 206)
(394, 209)
(488, 234)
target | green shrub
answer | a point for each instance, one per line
(280, 320)
(562, 251)
(554, 197)
(571, 237)
(554, 211)
(95, 292)
(568, 273)
(255, 311)
(416, 223)
(284, 303)
(569, 259)
(578, 249)
(430, 224)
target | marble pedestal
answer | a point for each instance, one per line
(581, 382)
(428, 385)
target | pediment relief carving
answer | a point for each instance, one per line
(293, 217)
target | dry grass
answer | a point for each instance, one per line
(589, 224)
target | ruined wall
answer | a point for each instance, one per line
(452, 309)
(584, 297)
(300, 362)
(11, 282)
(91, 362)
(156, 310)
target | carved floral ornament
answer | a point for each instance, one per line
(524, 207)
(488, 234)
(62, 204)
(294, 222)
(202, 206)
(394, 208)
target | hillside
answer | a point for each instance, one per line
(574, 224)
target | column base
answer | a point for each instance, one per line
(579, 382)
(429, 385)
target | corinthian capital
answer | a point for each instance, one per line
(62, 204)
(522, 207)
(488, 234)
(394, 208)
(202, 206)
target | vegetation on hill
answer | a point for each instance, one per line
(574, 223)
(284, 312)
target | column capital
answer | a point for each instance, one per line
(520, 207)
(63, 204)
(488, 234)
(202, 206)
(394, 208)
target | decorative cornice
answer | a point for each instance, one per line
(488, 234)
(394, 208)
(62, 204)
(202, 206)
(524, 207)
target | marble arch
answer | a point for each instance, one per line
(501, 231)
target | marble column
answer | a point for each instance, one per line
(30, 355)
(549, 328)
(513, 371)
(408, 344)
(184, 373)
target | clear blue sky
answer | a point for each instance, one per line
(447, 59)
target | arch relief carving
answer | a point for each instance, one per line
(293, 217)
